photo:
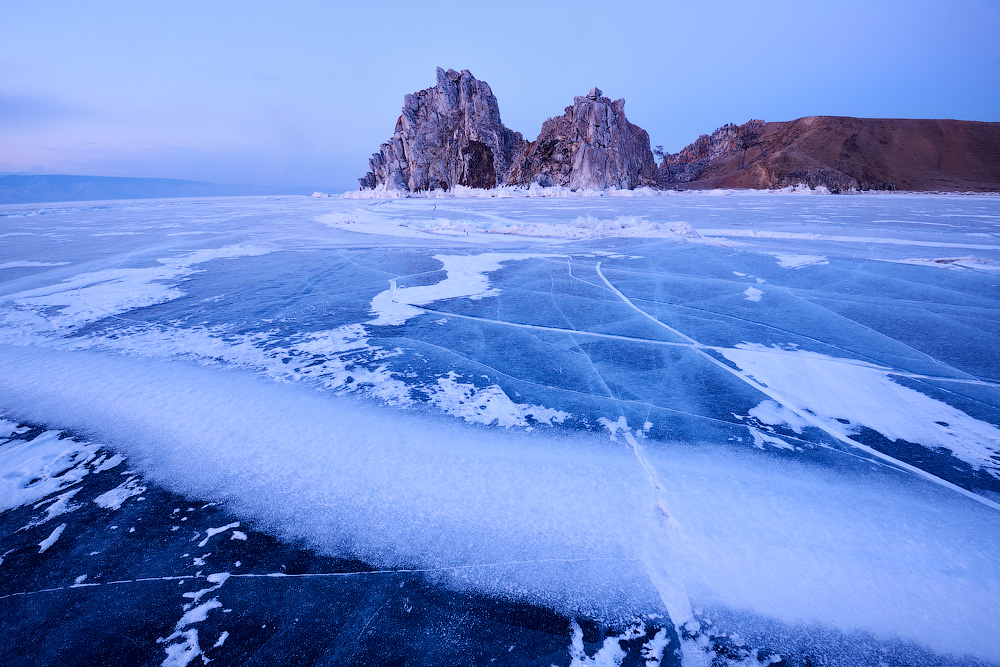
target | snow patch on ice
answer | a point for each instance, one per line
(560, 521)
(25, 265)
(502, 192)
(760, 439)
(753, 294)
(954, 263)
(863, 394)
(488, 405)
(45, 544)
(465, 276)
(113, 499)
(212, 532)
(182, 645)
(94, 295)
(498, 228)
(798, 261)
(34, 469)
(775, 414)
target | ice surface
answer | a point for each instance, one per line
(767, 407)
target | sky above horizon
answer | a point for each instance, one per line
(302, 94)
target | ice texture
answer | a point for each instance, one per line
(765, 407)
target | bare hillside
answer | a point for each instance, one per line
(843, 154)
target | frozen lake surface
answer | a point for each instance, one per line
(700, 428)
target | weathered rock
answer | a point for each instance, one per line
(591, 146)
(452, 135)
(447, 135)
(843, 154)
(692, 161)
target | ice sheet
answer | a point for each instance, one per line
(774, 369)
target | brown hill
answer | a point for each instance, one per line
(843, 154)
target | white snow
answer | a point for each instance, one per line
(560, 524)
(774, 414)
(212, 532)
(113, 499)
(32, 470)
(760, 439)
(45, 544)
(465, 277)
(864, 394)
(29, 264)
(94, 295)
(488, 405)
(199, 613)
(955, 263)
(753, 294)
(798, 261)
(502, 192)
(491, 229)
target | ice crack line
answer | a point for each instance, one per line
(806, 416)
(668, 343)
(320, 575)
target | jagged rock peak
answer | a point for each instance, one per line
(452, 134)
(447, 135)
(591, 146)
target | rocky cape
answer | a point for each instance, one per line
(842, 154)
(452, 134)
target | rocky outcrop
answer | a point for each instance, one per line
(452, 134)
(842, 154)
(446, 135)
(693, 160)
(592, 146)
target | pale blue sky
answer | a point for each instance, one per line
(301, 93)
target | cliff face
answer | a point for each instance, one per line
(591, 146)
(842, 154)
(446, 135)
(452, 134)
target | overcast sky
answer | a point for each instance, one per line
(301, 93)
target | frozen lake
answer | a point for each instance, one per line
(754, 428)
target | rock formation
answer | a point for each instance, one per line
(591, 146)
(843, 155)
(449, 134)
(452, 134)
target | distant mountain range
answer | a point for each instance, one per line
(20, 189)
(842, 154)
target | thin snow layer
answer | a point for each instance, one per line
(502, 192)
(956, 263)
(466, 277)
(813, 236)
(864, 394)
(91, 296)
(367, 221)
(47, 543)
(113, 499)
(30, 264)
(567, 522)
(32, 470)
(753, 294)
(798, 261)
